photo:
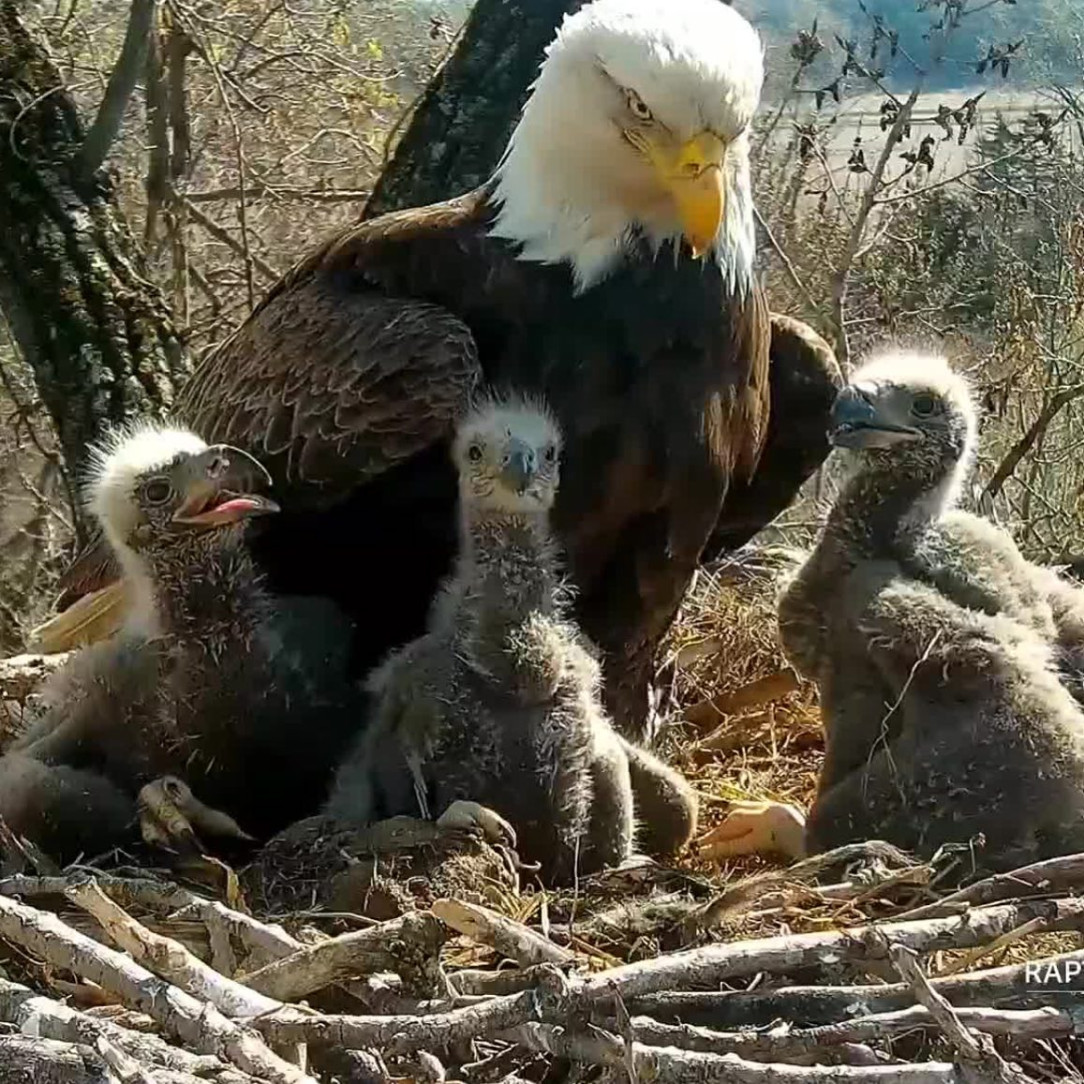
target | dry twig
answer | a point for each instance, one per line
(378, 948)
(49, 1019)
(708, 966)
(262, 940)
(510, 938)
(169, 958)
(1053, 875)
(669, 1065)
(784, 1043)
(976, 1052)
(194, 1023)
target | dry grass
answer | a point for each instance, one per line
(723, 652)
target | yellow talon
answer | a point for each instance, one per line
(756, 827)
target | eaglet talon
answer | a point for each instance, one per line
(758, 827)
(170, 816)
(464, 815)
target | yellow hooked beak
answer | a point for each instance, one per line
(693, 176)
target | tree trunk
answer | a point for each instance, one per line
(96, 333)
(464, 118)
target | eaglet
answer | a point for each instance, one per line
(206, 681)
(498, 702)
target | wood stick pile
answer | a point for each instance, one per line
(138, 980)
(861, 970)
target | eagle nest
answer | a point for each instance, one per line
(425, 955)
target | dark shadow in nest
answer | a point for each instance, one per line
(380, 871)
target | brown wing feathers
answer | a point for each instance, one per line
(329, 388)
(326, 384)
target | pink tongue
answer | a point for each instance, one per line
(236, 504)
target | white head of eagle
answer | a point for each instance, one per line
(638, 123)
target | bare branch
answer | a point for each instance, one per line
(257, 190)
(192, 1021)
(1054, 405)
(510, 938)
(219, 234)
(122, 82)
(670, 1065)
(975, 1051)
(379, 948)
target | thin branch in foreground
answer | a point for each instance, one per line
(193, 1022)
(262, 940)
(386, 947)
(974, 1050)
(1053, 874)
(668, 1065)
(49, 1019)
(788, 1044)
(552, 999)
(824, 1005)
(508, 937)
(169, 958)
(707, 967)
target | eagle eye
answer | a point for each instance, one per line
(637, 107)
(157, 491)
(474, 453)
(924, 406)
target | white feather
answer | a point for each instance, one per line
(696, 64)
(115, 467)
(524, 416)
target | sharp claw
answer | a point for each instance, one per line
(170, 814)
(466, 815)
(213, 821)
(161, 822)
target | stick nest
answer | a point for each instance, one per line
(404, 952)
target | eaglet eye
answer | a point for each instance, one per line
(157, 491)
(637, 107)
(924, 405)
(474, 453)
(549, 454)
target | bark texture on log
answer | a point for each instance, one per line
(43, 1061)
(463, 119)
(95, 331)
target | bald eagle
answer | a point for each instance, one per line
(608, 265)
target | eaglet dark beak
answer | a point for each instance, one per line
(858, 422)
(222, 488)
(520, 466)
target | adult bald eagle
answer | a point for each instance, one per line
(608, 265)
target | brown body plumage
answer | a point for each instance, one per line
(204, 682)
(925, 632)
(348, 379)
(499, 701)
(803, 379)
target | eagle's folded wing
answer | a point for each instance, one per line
(329, 387)
(326, 386)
